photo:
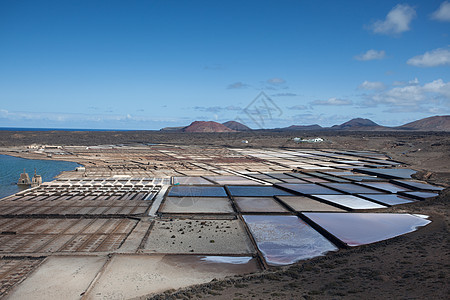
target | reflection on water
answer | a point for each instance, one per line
(355, 229)
(389, 173)
(11, 167)
(309, 189)
(235, 260)
(284, 240)
(389, 199)
(350, 201)
(256, 191)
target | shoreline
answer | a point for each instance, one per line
(40, 162)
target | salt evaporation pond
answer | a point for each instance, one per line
(11, 167)
(197, 191)
(259, 204)
(389, 199)
(283, 240)
(308, 189)
(355, 229)
(256, 191)
(350, 201)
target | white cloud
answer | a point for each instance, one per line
(276, 81)
(413, 96)
(237, 85)
(371, 55)
(298, 107)
(443, 12)
(439, 87)
(397, 20)
(332, 101)
(217, 109)
(3, 113)
(69, 117)
(415, 81)
(437, 57)
(372, 85)
(285, 95)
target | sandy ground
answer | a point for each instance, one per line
(258, 204)
(60, 278)
(196, 205)
(130, 276)
(198, 236)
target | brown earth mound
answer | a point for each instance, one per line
(206, 126)
(436, 123)
(358, 124)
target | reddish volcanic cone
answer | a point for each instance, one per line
(206, 126)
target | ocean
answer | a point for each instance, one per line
(59, 129)
(11, 167)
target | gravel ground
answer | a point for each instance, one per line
(198, 236)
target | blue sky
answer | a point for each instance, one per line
(152, 64)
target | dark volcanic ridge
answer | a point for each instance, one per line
(237, 126)
(435, 123)
(358, 124)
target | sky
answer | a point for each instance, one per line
(152, 64)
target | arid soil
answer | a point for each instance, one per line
(413, 266)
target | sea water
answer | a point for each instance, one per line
(11, 167)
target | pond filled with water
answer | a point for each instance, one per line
(284, 240)
(355, 229)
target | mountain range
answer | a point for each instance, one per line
(435, 123)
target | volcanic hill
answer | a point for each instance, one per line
(436, 123)
(206, 126)
(237, 126)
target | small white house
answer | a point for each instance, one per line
(315, 140)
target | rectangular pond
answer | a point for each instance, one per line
(350, 201)
(255, 191)
(302, 203)
(355, 229)
(238, 180)
(386, 186)
(351, 188)
(389, 199)
(190, 180)
(259, 204)
(418, 185)
(388, 173)
(420, 195)
(308, 189)
(198, 236)
(196, 205)
(197, 191)
(284, 240)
